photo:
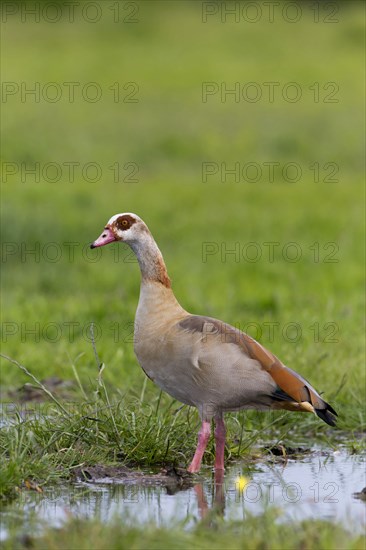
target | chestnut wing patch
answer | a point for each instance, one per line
(290, 385)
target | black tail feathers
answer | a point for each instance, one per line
(328, 414)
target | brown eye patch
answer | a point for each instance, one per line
(125, 222)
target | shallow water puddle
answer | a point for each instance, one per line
(319, 486)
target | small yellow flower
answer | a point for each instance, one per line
(241, 482)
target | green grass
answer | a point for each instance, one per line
(48, 306)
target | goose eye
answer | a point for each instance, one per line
(125, 222)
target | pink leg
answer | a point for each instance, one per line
(203, 437)
(220, 433)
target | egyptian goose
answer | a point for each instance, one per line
(199, 360)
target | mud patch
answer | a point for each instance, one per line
(32, 393)
(172, 478)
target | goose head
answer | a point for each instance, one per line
(125, 227)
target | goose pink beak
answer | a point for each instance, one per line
(106, 237)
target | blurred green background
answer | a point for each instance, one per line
(161, 61)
